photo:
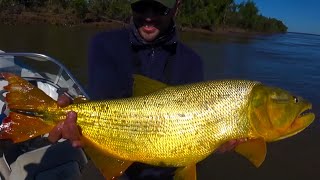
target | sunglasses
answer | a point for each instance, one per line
(156, 8)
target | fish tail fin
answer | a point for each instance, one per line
(23, 96)
(26, 103)
(19, 127)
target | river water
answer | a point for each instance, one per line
(290, 61)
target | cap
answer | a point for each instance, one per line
(167, 3)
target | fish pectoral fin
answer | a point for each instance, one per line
(19, 127)
(254, 150)
(186, 173)
(109, 166)
(143, 85)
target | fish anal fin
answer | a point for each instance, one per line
(143, 85)
(18, 127)
(254, 150)
(186, 173)
(109, 166)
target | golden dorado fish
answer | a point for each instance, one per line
(174, 126)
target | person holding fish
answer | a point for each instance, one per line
(175, 125)
(160, 125)
(150, 47)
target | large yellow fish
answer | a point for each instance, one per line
(174, 126)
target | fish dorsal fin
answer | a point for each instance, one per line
(254, 150)
(186, 173)
(143, 85)
(109, 166)
(19, 127)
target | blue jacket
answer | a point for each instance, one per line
(115, 55)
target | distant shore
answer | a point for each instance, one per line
(71, 20)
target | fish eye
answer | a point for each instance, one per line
(295, 99)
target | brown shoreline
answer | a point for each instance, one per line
(71, 20)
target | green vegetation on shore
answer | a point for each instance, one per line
(213, 15)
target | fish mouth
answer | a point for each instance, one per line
(305, 111)
(302, 121)
(304, 115)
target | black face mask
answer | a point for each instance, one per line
(156, 8)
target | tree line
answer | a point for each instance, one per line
(206, 14)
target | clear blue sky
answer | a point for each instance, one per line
(298, 15)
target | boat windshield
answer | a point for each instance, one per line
(45, 72)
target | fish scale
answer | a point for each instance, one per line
(173, 126)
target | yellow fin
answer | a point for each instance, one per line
(19, 127)
(22, 95)
(186, 173)
(143, 85)
(110, 167)
(254, 150)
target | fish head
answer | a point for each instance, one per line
(277, 114)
